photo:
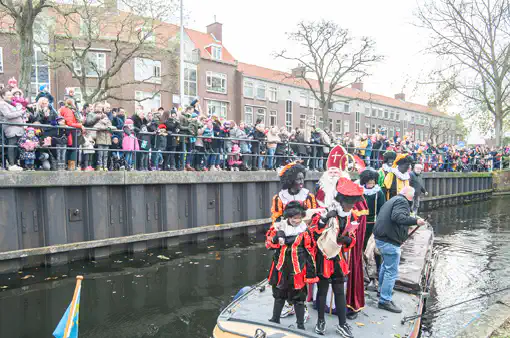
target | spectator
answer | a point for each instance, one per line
(43, 112)
(129, 143)
(12, 133)
(160, 145)
(273, 139)
(70, 95)
(43, 92)
(173, 128)
(71, 116)
(103, 140)
(259, 146)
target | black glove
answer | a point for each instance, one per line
(345, 240)
(330, 214)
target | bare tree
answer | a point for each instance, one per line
(135, 35)
(472, 39)
(21, 16)
(331, 56)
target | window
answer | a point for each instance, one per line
(302, 121)
(288, 106)
(147, 70)
(261, 91)
(321, 122)
(273, 94)
(347, 108)
(95, 65)
(89, 27)
(313, 103)
(338, 106)
(1, 60)
(374, 112)
(217, 108)
(148, 100)
(40, 72)
(248, 115)
(261, 115)
(357, 122)
(248, 89)
(288, 115)
(346, 127)
(386, 115)
(391, 133)
(190, 80)
(373, 129)
(392, 115)
(216, 82)
(338, 126)
(367, 111)
(273, 117)
(216, 52)
(331, 106)
(367, 128)
(380, 113)
(330, 124)
(303, 100)
(397, 115)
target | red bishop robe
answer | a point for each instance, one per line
(355, 293)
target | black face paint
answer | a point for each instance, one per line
(403, 168)
(298, 184)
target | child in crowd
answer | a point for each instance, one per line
(160, 146)
(116, 159)
(103, 140)
(199, 159)
(292, 236)
(234, 158)
(144, 139)
(59, 141)
(129, 143)
(28, 144)
(87, 148)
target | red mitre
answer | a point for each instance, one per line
(335, 156)
(347, 187)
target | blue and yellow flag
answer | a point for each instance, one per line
(68, 325)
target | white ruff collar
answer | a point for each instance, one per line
(403, 177)
(291, 230)
(286, 197)
(372, 191)
(386, 168)
(340, 211)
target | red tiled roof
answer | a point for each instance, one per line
(286, 78)
(202, 40)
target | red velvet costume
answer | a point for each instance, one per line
(355, 293)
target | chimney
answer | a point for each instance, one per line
(357, 85)
(216, 30)
(400, 96)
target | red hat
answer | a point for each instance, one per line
(348, 188)
(162, 126)
(335, 155)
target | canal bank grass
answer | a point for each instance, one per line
(503, 331)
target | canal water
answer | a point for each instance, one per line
(179, 292)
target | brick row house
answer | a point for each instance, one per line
(230, 89)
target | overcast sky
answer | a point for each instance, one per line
(253, 30)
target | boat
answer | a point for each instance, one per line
(247, 315)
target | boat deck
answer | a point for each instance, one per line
(257, 307)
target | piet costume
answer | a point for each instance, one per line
(332, 269)
(293, 265)
(374, 198)
(292, 177)
(398, 177)
(388, 159)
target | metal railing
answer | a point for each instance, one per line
(253, 152)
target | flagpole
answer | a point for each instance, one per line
(67, 330)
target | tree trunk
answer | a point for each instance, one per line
(26, 49)
(325, 116)
(498, 126)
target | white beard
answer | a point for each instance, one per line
(328, 185)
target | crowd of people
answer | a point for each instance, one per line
(341, 240)
(49, 135)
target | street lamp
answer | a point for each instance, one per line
(181, 57)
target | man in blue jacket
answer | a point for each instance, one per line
(391, 231)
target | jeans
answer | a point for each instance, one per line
(416, 204)
(389, 269)
(270, 157)
(128, 156)
(158, 158)
(102, 155)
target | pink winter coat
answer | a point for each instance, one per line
(130, 143)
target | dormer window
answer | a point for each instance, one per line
(216, 52)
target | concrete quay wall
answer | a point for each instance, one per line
(51, 218)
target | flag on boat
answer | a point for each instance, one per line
(68, 325)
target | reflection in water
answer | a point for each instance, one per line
(473, 245)
(143, 296)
